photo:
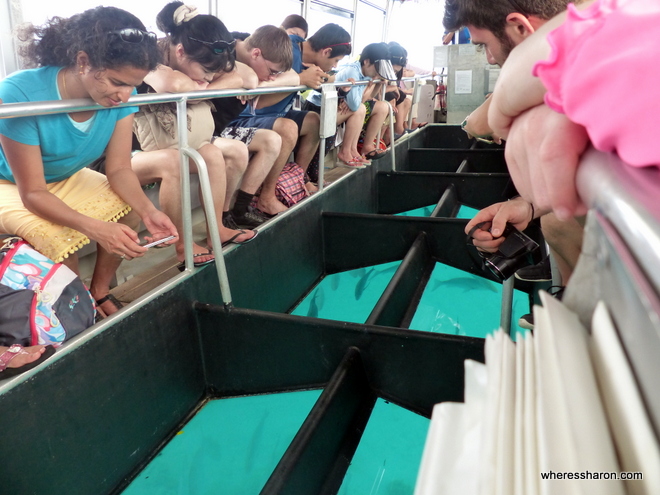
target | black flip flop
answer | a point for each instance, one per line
(240, 232)
(182, 266)
(375, 155)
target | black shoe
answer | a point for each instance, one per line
(540, 272)
(250, 219)
(228, 221)
(527, 321)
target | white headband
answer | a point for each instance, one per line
(184, 14)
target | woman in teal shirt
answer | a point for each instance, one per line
(47, 196)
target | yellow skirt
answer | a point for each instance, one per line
(88, 192)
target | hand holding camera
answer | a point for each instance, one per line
(512, 254)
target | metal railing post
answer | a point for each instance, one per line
(507, 305)
(207, 196)
(392, 139)
(186, 206)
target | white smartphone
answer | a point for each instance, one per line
(159, 241)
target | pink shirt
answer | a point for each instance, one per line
(604, 73)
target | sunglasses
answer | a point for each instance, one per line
(134, 35)
(217, 47)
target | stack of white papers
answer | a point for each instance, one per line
(558, 412)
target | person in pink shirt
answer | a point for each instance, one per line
(573, 83)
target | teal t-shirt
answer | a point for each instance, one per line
(64, 148)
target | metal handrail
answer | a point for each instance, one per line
(628, 197)
(11, 110)
(14, 110)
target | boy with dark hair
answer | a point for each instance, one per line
(274, 111)
(325, 49)
(327, 46)
(374, 64)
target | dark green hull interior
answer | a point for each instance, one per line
(90, 420)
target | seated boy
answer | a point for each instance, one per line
(275, 111)
(374, 64)
(266, 56)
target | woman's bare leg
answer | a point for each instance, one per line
(163, 166)
(106, 267)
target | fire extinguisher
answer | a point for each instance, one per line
(441, 96)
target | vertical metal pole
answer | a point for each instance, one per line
(392, 143)
(415, 97)
(386, 22)
(554, 269)
(507, 303)
(382, 97)
(328, 127)
(321, 164)
(207, 195)
(186, 208)
(353, 21)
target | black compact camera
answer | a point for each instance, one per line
(513, 253)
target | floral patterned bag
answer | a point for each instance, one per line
(41, 302)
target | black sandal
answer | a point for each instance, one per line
(112, 299)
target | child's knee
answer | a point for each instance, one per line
(271, 141)
(381, 107)
(288, 131)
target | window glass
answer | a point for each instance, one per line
(318, 17)
(248, 15)
(372, 23)
(380, 3)
(39, 11)
(344, 4)
(424, 17)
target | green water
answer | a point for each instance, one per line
(231, 446)
(347, 296)
(454, 302)
(387, 459)
(425, 211)
(459, 303)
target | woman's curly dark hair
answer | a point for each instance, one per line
(59, 41)
(202, 27)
